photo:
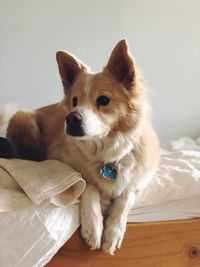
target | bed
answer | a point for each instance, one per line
(163, 227)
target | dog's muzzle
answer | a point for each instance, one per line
(74, 124)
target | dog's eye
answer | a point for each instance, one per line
(102, 100)
(74, 101)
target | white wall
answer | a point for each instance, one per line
(164, 37)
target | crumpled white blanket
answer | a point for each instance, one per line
(31, 237)
(174, 192)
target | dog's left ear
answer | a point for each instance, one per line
(69, 68)
(121, 65)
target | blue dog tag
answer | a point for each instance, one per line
(108, 173)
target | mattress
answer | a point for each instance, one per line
(31, 237)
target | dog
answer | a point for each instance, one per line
(108, 137)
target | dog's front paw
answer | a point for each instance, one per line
(92, 230)
(112, 239)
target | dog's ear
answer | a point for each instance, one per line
(121, 65)
(69, 67)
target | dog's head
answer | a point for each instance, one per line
(104, 103)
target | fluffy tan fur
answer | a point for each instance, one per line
(119, 133)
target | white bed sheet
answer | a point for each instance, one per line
(173, 210)
(31, 237)
(174, 192)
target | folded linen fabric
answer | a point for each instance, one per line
(26, 183)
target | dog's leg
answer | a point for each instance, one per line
(91, 217)
(25, 136)
(115, 225)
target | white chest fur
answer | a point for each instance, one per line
(88, 157)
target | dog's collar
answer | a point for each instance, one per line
(108, 173)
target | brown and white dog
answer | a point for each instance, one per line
(107, 137)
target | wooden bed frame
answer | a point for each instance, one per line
(159, 244)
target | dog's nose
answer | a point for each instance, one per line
(74, 118)
(74, 124)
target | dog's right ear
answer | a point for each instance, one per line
(69, 67)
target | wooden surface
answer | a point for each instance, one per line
(161, 244)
